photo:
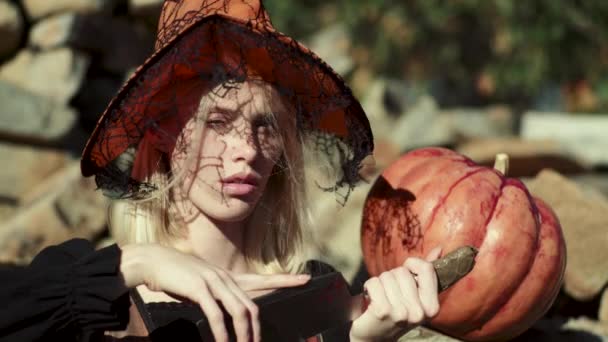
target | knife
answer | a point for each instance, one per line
(324, 304)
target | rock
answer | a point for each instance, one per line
(28, 167)
(487, 148)
(561, 329)
(584, 221)
(70, 208)
(373, 104)
(395, 120)
(55, 74)
(37, 9)
(603, 311)
(585, 324)
(385, 100)
(595, 181)
(582, 135)
(129, 45)
(332, 44)
(422, 334)
(28, 117)
(121, 44)
(94, 97)
(148, 10)
(337, 228)
(11, 28)
(399, 123)
(420, 127)
(55, 31)
(493, 121)
(384, 154)
(7, 209)
(526, 157)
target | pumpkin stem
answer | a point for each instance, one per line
(501, 163)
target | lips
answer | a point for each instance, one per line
(240, 184)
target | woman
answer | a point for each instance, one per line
(209, 150)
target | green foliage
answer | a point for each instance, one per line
(500, 50)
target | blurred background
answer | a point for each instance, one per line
(529, 78)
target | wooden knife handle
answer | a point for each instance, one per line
(453, 266)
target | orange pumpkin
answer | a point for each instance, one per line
(436, 197)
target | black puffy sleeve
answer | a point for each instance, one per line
(68, 291)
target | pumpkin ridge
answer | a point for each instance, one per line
(549, 226)
(441, 201)
(510, 290)
(496, 198)
(491, 212)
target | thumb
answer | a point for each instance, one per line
(253, 282)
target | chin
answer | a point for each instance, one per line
(231, 212)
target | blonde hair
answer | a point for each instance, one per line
(277, 231)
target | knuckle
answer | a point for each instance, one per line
(416, 315)
(254, 311)
(412, 261)
(381, 312)
(428, 267)
(400, 315)
(212, 277)
(433, 310)
(409, 262)
(386, 275)
(220, 273)
(240, 313)
(373, 281)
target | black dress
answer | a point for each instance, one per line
(71, 292)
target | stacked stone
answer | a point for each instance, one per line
(61, 61)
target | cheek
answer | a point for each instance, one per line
(213, 146)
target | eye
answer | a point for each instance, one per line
(216, 122)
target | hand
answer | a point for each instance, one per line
(183, 275)
(400, 300)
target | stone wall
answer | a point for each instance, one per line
(61, 61)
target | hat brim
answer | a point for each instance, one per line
(218, 48)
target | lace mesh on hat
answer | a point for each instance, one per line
(214, 53)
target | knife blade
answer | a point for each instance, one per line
(325, 302)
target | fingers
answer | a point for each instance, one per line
(395, 296)
(252, 314)
(212, 311)
(243, 311)
(231, 291)
(434, 254)
(256, 282)
(427, 284)
(379, 305)
(408, 289)
(390, 313)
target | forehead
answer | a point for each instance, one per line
(247, 97)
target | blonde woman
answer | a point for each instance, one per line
(207, 151)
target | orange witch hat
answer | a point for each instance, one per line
(211, 42)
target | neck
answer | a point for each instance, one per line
(218, 243)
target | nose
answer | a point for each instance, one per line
(242, 146)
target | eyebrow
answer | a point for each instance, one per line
(223, 110)
(231, 112)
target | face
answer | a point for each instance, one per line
(229, 151)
